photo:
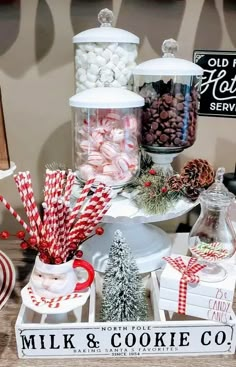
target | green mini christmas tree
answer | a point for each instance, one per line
(123, 293)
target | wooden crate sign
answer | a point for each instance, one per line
(38, 339)
(141, 339)
(4, 155)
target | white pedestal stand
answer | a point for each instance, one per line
(7, 172)
(148, 242)
(163, 161)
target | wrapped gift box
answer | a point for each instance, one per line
(208, 300)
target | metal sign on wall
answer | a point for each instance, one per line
(218, 88)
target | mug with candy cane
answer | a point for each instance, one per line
(106, 135)
(212, 238)
(57, 237)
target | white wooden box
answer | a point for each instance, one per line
(164, 334)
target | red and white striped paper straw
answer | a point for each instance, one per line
(80, 201)
(16, 215)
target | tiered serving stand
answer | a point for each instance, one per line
(148, 242)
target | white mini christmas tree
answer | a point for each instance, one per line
(123, 293)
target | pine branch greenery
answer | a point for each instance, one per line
(154, 194)
(123, 294)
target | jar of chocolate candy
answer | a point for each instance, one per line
(104, 56)
(107, 135)
(171, 89)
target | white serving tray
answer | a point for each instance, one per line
(82, 336)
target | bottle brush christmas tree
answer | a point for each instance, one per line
(123, 293)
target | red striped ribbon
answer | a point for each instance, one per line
(188, 276)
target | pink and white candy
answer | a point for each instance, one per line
(110, 170)
(109, 150)
(122, 162)
(130, 122)
(95, 158)
(97, 139)
(117, 135)
(86, 171)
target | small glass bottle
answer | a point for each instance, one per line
(212, 238)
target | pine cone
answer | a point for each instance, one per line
(191, 192)
(175, 183)
(197, 173)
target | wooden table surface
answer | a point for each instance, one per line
(8, 354)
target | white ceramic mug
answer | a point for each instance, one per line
(50, 281)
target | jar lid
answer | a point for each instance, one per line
(168, 64)
(217, 194)
(105, 33)
(106, 97)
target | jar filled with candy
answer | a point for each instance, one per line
(104, 55)
(171, 88)
(107, 135)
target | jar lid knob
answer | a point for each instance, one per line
(105, 17)
(169, 48)
(219, 177)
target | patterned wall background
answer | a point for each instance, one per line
(37, 72)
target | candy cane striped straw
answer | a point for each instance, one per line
(82, 222)
(16, 215)
(100, 210)
(80, 201)
(22, 188)
(34, 208)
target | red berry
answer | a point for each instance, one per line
(44, 245)
(58, 260)
(79, 253)
(20, 235)
(24, 245)
(164, 190)
(44, 258)
(99, 231)
(152, 171)
(81, 236)
(32, 241)
(4, 235)
(147, 183)
(73, 246)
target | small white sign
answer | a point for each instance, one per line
(125, 340)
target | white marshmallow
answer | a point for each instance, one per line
(115, 59)
(120, 51)
(99, 83)
(107, 54)
(115, 84)
(121, 66)
(82, 78)
(91, 58)
(83, 59)
(91, 77)
(101, 61)
(107, 76)
(110, 65)
(93, 69)
(88, 47)
(122, 80)
(113, 46)
(89, 84)
(98, 50)
(82, 47)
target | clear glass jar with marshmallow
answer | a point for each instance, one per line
(106, 126)
(104, 56)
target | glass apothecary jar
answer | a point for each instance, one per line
(104, 55)
(107, 135)
(171, 88)
(212, 238)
